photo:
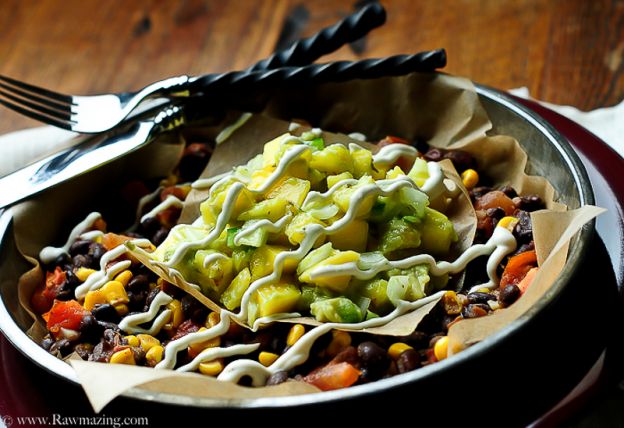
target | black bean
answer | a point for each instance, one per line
(528, 203)
(105, 312)
(509, 191)
(509, 294)
(138, 283)
(461, 160)
(80, 246)
(475, 310)
(478, 297)
(372, 356)
(61, 347)
(193, 309)
(150, 297)
(421, 145)
(108, 325)
(64, 292)
(495, 213)
(194, 161)
(434, 155)
(139, 355)
(82, 260)
(160, 236)
(96, 251)
(63, 260)
(89, 328)
(524, 248)
(84, 350)
(72, 279)
(150, 225)
(523, 231)
(47, 342)
(136, 300)
(277, 378)
(479, 191)
(408, 361)
(347, 355)
(417, 339)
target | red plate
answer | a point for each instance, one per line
(27, 390)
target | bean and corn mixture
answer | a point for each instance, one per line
(91, 327)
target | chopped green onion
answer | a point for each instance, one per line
(231, 233)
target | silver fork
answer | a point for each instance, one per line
(99, 113)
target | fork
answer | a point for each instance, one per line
(99, 113)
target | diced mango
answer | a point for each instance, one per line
(362, 163)
(259, 177)
(395, 173)
(437, 233)
(263, 260)
(299, 227)
(332, 180)
(270, 209)
(93, 298)
(212, 207)
(344, 196)
(271, 149)
(232, 296)
(353, 236)
(337, 283)
(293, 190)
(333, 159)
(273, 299)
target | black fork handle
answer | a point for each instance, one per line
(328, 40)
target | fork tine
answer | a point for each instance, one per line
(36, 98)
(57, 114)
(38, 90)
(36, 116)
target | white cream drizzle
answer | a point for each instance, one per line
(49, 254)
(131, 323)
(146, 199)
(92, 235)
(357, 136)
(388, 155)
(229, 130)
(292, 126)
(264, 224)
(206, 183)
(214, 353)
(211, 258)
(170, 201)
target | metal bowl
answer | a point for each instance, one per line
(526, 354)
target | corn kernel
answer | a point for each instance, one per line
(83, 273)
(213, 319)
(440, 349)
(295, 333)
(396, 349)
(195, 349)
(124, 277)
(484, 290)
(147, 342)
(154, 355)
(132, 340)
(211, 368)
(508, 223)
(152, 285)
(340, 340)
(121, 308)
(267, 358)
(177, 315)
(470, 178)
(93, 298)
(115, 293)
(125, 356)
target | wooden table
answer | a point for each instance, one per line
(567, 51)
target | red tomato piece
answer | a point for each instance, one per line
(333, 376)
(517, 268)
(67, 315)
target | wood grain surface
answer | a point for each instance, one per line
(567, 51)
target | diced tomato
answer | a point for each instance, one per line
(404, 163)
(185, 328)
(179, 192)
(67, 315)
(517, 268)
(527, 280)
(169, 216)
(495, 199)
(42, 299)
(333, 376)
(113, 240)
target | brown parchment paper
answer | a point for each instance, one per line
(440, 109)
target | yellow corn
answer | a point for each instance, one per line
(115, 293)
(124, 277)
(196, 348)
(340, 340)
(152, 285)
(94, 298)
(508, 223)
(83, 273)
(470, 178)
(396, 349)
(154, 355)
(121, 308)
(295, 333)
(147, 342)
(177, 315)
(125, 356)
(267, 358)
(132, 340)
(440, 349)
(211, 368)
(213, 319)
(484, 290)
